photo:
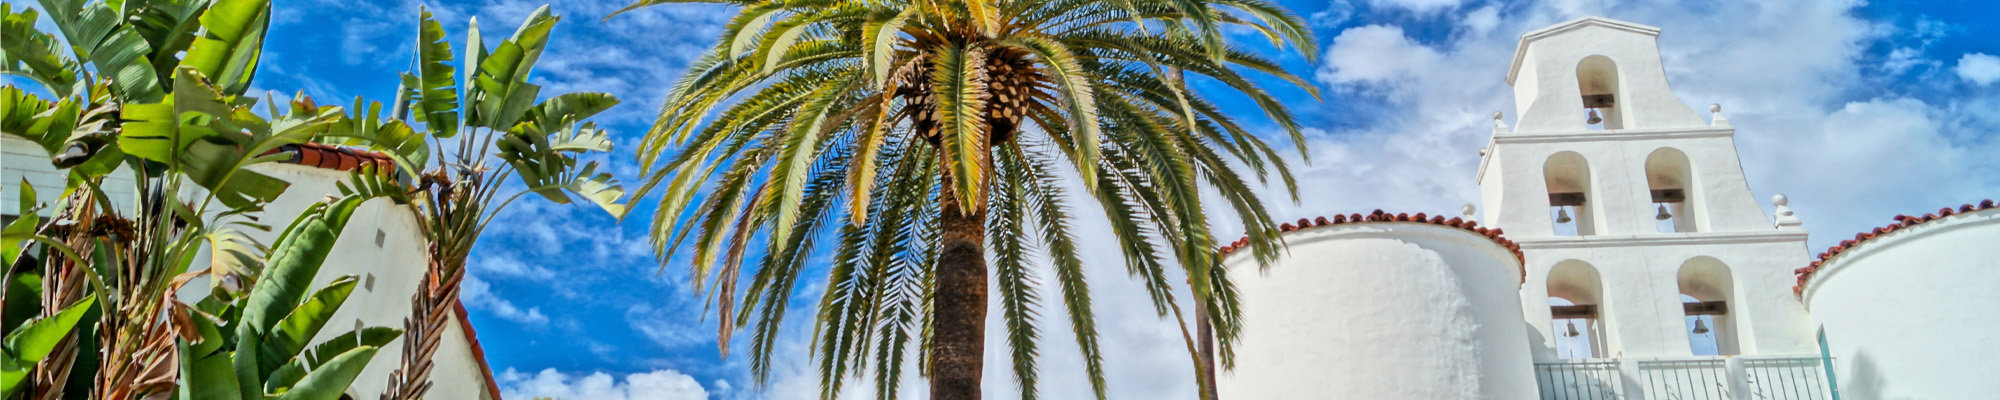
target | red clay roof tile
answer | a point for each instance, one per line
(1902, 222)
(1378, 216)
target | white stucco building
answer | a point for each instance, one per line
(1645, 269)
(380, 246)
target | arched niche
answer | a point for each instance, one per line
(1670, 182)
(1597, 81)
(1576, 308)
(1709, 299)
(1567, 176)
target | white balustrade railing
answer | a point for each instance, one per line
(1684, 378)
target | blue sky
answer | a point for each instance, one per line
(1858, 111)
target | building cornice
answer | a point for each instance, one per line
(1659, 239)
(1615, 135)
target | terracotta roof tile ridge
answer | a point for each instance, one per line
(1494, 234)
(327, 156)
(1806, 273)
(478, 353)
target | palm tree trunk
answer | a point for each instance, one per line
(958, 342)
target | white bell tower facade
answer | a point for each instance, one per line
(1641, 236)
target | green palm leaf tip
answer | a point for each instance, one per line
(1012, 98)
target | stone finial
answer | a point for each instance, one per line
(1718, 119)
(1786, 219)
(1467, 211)
(1498, 125)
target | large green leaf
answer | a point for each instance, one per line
(437, 90)
(232, 39)
(543, 163)
(10, 245)
(327, 382)
(292, 333)
(45, 123)
(169, 28)
(30, 343)
(205, 370)
(30, 53)
(558, 112)
(124, 60)
(300, 251)
(501, 93)
(366, 128)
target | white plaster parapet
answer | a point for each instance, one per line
(1615, 135)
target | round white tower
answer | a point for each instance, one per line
(1382, 307)
(1909, 309)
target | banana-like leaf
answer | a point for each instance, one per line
(123, 61)
(437, 90)
(366, 128)
(327, 382)
(30, 53)
(33, 341)
(368, 184)
(168, 26)
(11, 237)
(232, 40)
(542, 164)
(600, 188)
(213, 152)
(233, 253)
(300, 251)
(45, 123)
(205, 371)
(304, 322)
(557, 113)
(502, 93)
(586, 138)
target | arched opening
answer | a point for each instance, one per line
(1597, 79)
(1575, 305)
(1707, 295)
(1567, 177)
(1671, 181)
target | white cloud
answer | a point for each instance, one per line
(665, 384)
(1980, 68)
(1374, 54)
(511, 267)
(480, 295)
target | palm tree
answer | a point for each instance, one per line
(948, 128)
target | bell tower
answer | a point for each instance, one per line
(1636, 222)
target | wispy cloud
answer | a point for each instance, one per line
(663, 384)
(480, 295)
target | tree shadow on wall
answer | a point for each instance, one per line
(1866, 381)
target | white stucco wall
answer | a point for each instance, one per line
(382, 247)
(23, 160)
(1911, 314)
(1386, 310)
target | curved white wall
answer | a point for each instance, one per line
(1913, 313)
(1382, 310)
